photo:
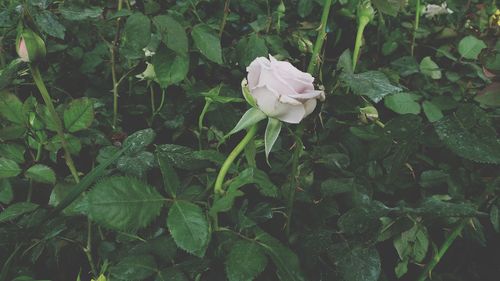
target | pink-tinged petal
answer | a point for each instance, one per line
(309, 106)
(254, 70)
(271, 79)
(298, 80)
(23, 51)
(314, 94)
(272, 104)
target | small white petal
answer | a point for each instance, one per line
(274, 105)
(254, 70)
(309, 106)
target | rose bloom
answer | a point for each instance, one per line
(282, 91)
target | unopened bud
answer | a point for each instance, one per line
(29, 46)
(368, 113)
(365, 12)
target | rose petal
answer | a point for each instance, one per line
(298, 80)
(254, 70)
(314, 94)
(270, 78)
(278, 106)
(309, 106)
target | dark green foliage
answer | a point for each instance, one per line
(403, 154)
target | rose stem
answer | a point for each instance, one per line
(415, 28)
(455, 232)
(67, 156)
(318, 45)
(112, 50)
(311, 69)
(363, 21)
(58, 123)
(224, 17)
(230, 159)
(440, 253)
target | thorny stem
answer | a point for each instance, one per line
(415, 27)
(359, 39)
(311, 69)
(218, 189)
(58, 123)
(113, 66)
(318, 45)
(224, 17)
(440, 253)
(455, 232)
(88, 249)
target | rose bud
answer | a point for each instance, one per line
(282, 91)
(29, 46)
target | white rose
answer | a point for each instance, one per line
(282, 91)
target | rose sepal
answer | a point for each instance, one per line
(246, 93)
(273, 130)
(251, 117)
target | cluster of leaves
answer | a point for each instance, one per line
(404, 149)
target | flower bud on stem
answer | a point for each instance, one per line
(365, 14)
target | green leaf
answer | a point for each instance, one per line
(495, 218)
(8, 74)
(429, 68)
(461, 135)
(402, 103)
(79, 115)
(304, 8)
(373, 84)
(11, 108)
(434, 207)
(171, 181)
(132, 268)
(225, 203)
(48, 23)
(470, 47)
(251, 117)
(139, 140)
(401, 268)
(287, 263)
(185, 158)
(189, 227)
(271, 135)
(13, 152)
(208, 42)
(8, 168)
(432, 112)
(255, 176)
(362, 218)
(172, 33)
(489, 96)
(245, 261)
(6, 192)
(41, 173)
(355, 262)
(433, 178)
(390, 7)
(16, 210)
(136, 36)
(251, 47)
(171, 274)
(77, 13)
(170, 68)
(124, 203)
(334, 186)
(137, 164)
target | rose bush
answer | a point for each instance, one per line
(282, 91)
